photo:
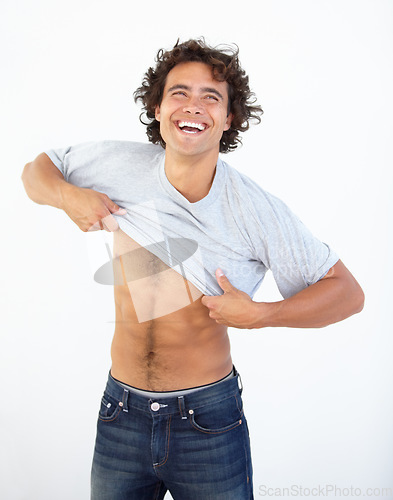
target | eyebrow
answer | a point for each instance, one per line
(203, 89)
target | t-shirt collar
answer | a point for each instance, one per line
(215, 189)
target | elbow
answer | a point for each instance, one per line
(358, 300)
(24, 172)
(354, 299)
(350, 303)
(24, 179)
(351, 295)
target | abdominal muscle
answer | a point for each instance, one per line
(164, 339)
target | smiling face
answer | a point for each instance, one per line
(193, 113)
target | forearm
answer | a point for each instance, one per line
(43, 182)
(328, 301)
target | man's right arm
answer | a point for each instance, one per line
(89, 209)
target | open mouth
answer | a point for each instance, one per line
(191, 127)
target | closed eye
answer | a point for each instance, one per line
(213, 97)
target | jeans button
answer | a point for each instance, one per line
(155, 406)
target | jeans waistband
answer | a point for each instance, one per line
(175, 404)
(180, 392)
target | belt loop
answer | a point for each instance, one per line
(182, 408)
(239, 382)
(124, 402)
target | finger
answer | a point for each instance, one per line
(214, 315)
(223, 281)
(209, 302)
(95, 227)
(121, 211)
(110, 223)
(205, 300)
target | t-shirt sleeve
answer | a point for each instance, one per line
(287, 247)
(72, 158)
(57, 156)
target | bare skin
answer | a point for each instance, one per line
(185, 348)
(167, 335)
(182, 349)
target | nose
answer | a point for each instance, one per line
(193, 106)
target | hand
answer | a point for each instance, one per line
(233, 308)
(89, 209)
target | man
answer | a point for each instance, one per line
(193, 239)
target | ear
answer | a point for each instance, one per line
(228, 122)
(157, 113)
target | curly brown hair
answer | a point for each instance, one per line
(225, 67)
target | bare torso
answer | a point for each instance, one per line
(164, 338)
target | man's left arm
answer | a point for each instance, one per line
(331, 299)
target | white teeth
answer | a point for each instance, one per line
(199, 126)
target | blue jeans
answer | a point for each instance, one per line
(196, 446)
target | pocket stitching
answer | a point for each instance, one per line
(222, 429)
(216, 431)
(112, 417)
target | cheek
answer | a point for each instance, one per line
(228, 122)
(163, 128)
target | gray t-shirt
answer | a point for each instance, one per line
(237, 227)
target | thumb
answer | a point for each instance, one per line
(111, 205)
(119, 211)
(223, 281)
(109, 222)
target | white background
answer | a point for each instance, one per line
(319, 402)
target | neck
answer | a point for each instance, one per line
(191, 176)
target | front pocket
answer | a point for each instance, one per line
(218, 417)
(109, 409)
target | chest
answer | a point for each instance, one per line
(154, 288)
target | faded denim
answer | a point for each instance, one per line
(196, 446)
